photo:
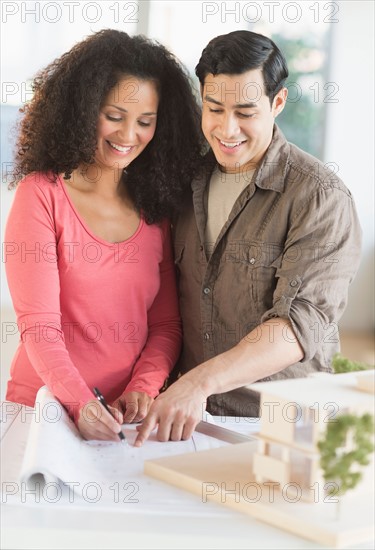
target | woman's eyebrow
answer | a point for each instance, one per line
(151, 113)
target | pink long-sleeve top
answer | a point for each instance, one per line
(90, 313)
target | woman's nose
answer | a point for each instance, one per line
(127, 133)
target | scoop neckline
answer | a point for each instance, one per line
(86, 227)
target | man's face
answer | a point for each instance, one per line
(237, 118)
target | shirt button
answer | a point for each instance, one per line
(252, 261)
(206, 290)
(206, 336)
(293, 283)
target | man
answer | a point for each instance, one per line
(265, 249)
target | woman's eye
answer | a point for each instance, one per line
(144, 124)
(113, 119)
(215, 111)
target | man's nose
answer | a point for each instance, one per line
(229, 127)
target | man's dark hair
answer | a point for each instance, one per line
(241, 51)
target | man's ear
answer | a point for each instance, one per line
(279, 101)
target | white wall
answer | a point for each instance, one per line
(350, 140)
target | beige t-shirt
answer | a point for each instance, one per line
(223, 191)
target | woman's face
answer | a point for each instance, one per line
(127, 122)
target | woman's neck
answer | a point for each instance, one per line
(99, 180)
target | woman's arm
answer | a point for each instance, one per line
(163, 343)
(33, 278)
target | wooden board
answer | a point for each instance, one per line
(225, 476)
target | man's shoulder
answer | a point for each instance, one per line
(289, 169)
(312, 170)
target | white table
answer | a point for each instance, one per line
(71, 526)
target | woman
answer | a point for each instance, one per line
(106, 148)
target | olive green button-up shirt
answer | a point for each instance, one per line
(289, 249)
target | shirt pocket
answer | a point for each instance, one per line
(261, 262)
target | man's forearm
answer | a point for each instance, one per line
(269, 348)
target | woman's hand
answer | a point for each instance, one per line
(94, 422)
(134, 405)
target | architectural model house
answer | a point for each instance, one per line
(294, 418)
(277, 477)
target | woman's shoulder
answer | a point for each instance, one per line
(39, 179)
(165, 226)
(39, 184)
(160, 229)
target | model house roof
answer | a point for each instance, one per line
(348, 390)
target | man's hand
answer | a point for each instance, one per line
(95, 422)
(176, 412)
(133, 405)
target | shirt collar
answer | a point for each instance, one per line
(272, 170)
(269, 175)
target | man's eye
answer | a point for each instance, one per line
(215, 110)
(243, 115)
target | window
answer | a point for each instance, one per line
(300, 29)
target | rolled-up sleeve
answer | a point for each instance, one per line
(320, 258)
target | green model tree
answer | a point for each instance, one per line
(341, 467)
(342, 364)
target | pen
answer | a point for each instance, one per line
(104, 403)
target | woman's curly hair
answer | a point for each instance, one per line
(58, 128)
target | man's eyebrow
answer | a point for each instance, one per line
(125, 110)
(237, 106)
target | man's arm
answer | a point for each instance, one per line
(269, 348)
(310, 295)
